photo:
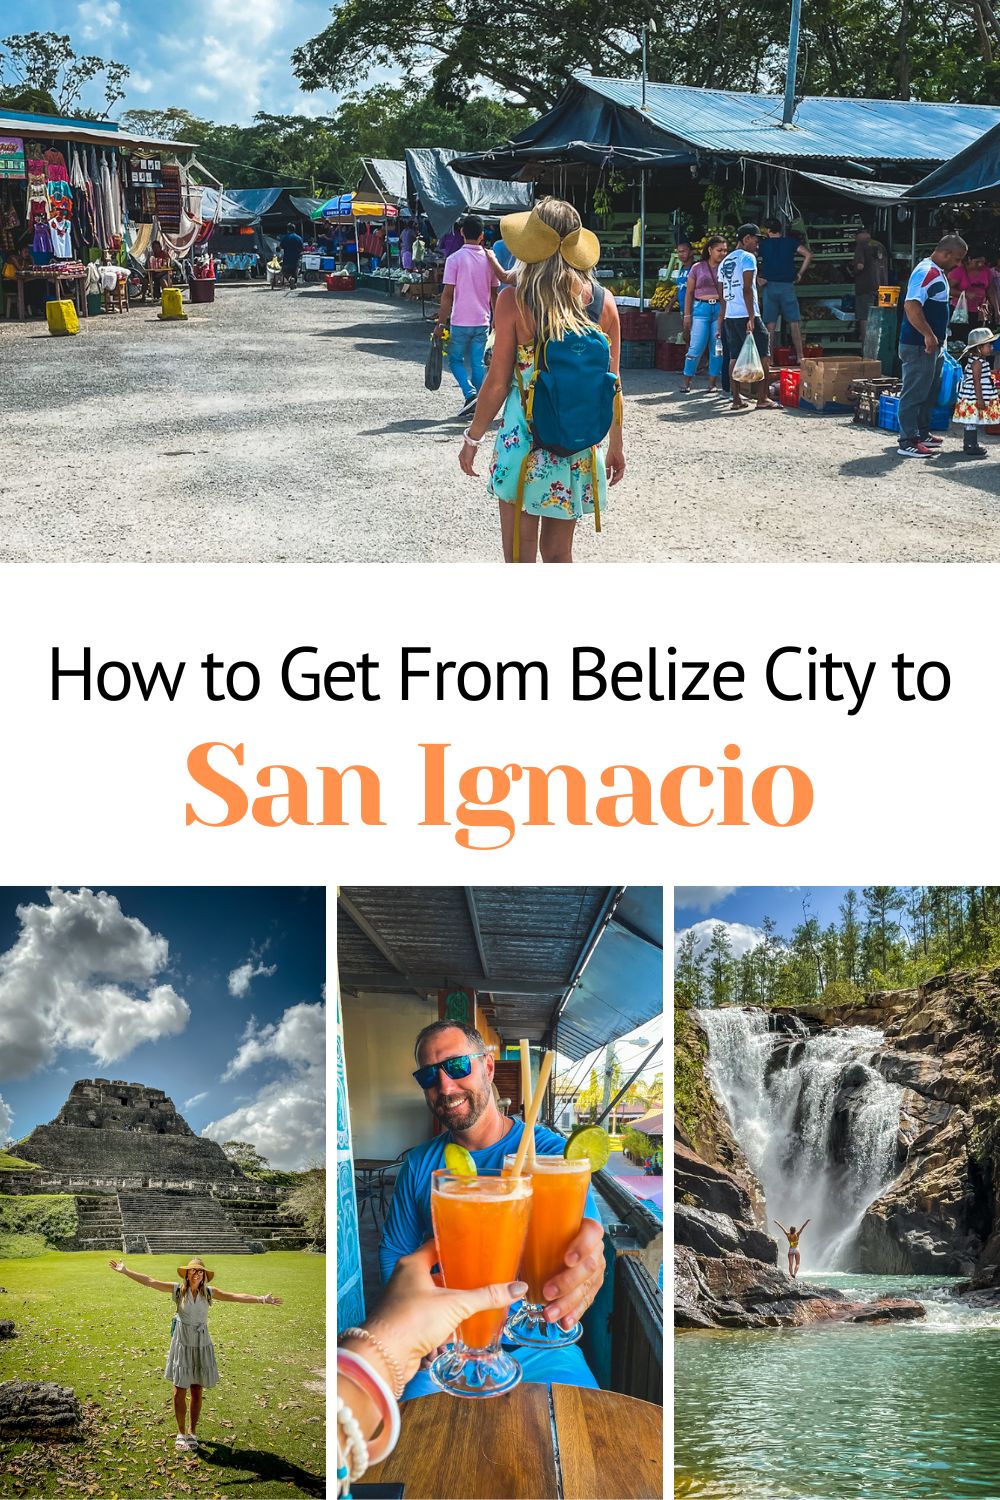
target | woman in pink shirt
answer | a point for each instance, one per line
(973, 277)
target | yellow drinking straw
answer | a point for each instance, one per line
(526, 1096)
(533, 1112)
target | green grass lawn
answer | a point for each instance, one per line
(262, 1427)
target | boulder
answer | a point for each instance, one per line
(708, 1185)
(38, 1409)
(6, 1328)
(712, 1234)
(887, 1310)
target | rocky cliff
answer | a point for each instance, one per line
(942, 1212)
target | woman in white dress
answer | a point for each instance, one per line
(191, 1362)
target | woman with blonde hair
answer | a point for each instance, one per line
(550, 296)
(191, 1357)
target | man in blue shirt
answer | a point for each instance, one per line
(779, 276)
(291, 246)
(467, 1108)
(923, 335)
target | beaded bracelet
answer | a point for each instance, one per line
(371, 1382)
(392, 1363)
(355, 1454)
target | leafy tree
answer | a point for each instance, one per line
(719, 966)
(689, 971)
(588, 1098)
(880, 903)
(307, 1202)
(47, 62)
(246, 1157)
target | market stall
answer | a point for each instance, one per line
(649, 163)
(77, 192)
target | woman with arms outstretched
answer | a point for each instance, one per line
(191, 1358)
(792, 1235)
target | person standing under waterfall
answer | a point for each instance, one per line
(793, 1235)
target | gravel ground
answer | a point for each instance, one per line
(295, 427)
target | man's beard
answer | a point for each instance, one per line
(464, 1119)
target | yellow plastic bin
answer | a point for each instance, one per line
(171, 307)
(61, 317)
(888, 296)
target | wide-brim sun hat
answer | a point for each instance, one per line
(978, 336)
(195, 1264)
(531, 240)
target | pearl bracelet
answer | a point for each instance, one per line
(391, 1362)
(355, 1453)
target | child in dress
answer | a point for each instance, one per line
(191, 1358)
(978, 403)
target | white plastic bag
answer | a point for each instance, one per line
(960, 313)
(748, 368)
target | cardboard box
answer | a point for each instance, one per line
(827, 382)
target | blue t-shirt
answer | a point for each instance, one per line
(504, 254)
(927, 285)
(408, 1223)
(291, 249)
(777, 258)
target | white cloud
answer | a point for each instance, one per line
(701, 897)
(6, 1116)
(742, 937)
(286, 1119)
(138, 83)
(240, 977)
(99, 19)
(194, 1099)
(82, 974)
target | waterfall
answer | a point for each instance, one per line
(817, 1123)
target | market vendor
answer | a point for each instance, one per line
(973, 277)
(158, 268)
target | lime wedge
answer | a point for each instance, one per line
(458, 1160)
(590, 1142)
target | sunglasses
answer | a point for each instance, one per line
(455, 1067)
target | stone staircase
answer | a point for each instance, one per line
(262, 1223)
(178, 1223)
(99, 1223)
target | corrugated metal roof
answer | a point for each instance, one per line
(520, 947)
(91, 132)
(720, 121)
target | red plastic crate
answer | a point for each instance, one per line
(789, 382)
(782, 357)
(637, 326)
(812, 351)
(670, 356)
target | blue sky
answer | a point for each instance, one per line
(743, 908)
(214, 995)
(221, 59)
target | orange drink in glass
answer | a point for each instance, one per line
(557, 1205)
(480, 1224)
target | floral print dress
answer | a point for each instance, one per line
(557, 485)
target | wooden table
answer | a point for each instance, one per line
(572, 1444)
(77, 284)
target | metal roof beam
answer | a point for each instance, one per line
(359, 980)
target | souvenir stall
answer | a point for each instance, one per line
(81, 203)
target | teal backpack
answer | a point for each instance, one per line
(570, 403)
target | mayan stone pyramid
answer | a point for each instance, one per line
(111, 1129)
(144, 1183)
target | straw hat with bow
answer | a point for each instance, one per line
(531, 240)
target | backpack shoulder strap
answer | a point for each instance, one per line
(595, 307)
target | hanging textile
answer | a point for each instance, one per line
(168, 199)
